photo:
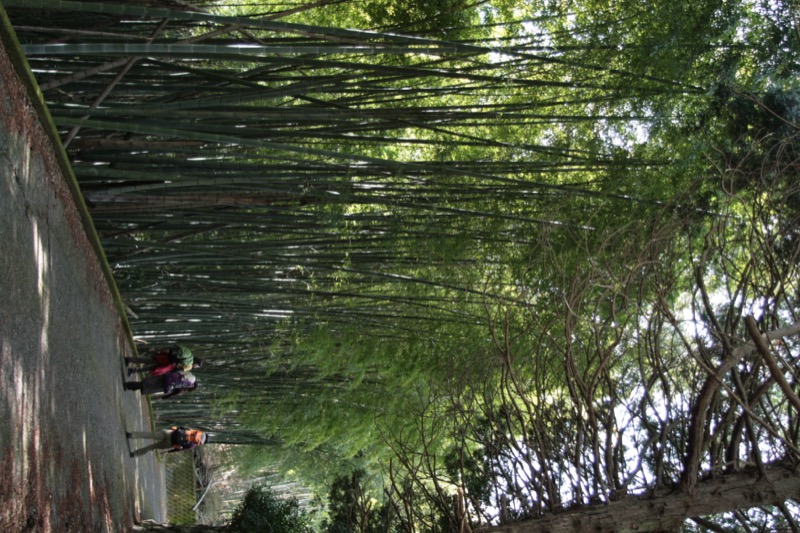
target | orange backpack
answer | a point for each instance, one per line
(185, 438)
(195, 436)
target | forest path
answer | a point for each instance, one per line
(64, 458)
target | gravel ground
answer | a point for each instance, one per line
(64, 458)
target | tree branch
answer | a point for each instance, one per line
(777, 375)
(667, 512)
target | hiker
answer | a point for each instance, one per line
(156, 369)
(170, 383)
(175, 439)
(165, 359)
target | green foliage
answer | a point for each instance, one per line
(475, 238)
(444, 19)
(352, 508)
(262, 511)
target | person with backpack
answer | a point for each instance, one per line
(175, 439)
(170, 383)
(160, 368)
(159, 360)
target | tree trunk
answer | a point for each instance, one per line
(148, 525)
(666, 512)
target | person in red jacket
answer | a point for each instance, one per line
(172, 357)
(175, 439)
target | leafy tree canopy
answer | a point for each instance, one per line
(262, 510)
(511, 256)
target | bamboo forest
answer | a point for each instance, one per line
(458, 265)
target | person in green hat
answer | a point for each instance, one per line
(160, 360)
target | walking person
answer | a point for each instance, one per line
(157, 369)
(169, 384)
(175, 439)
(160, 360)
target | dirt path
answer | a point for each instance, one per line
(64, 458)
